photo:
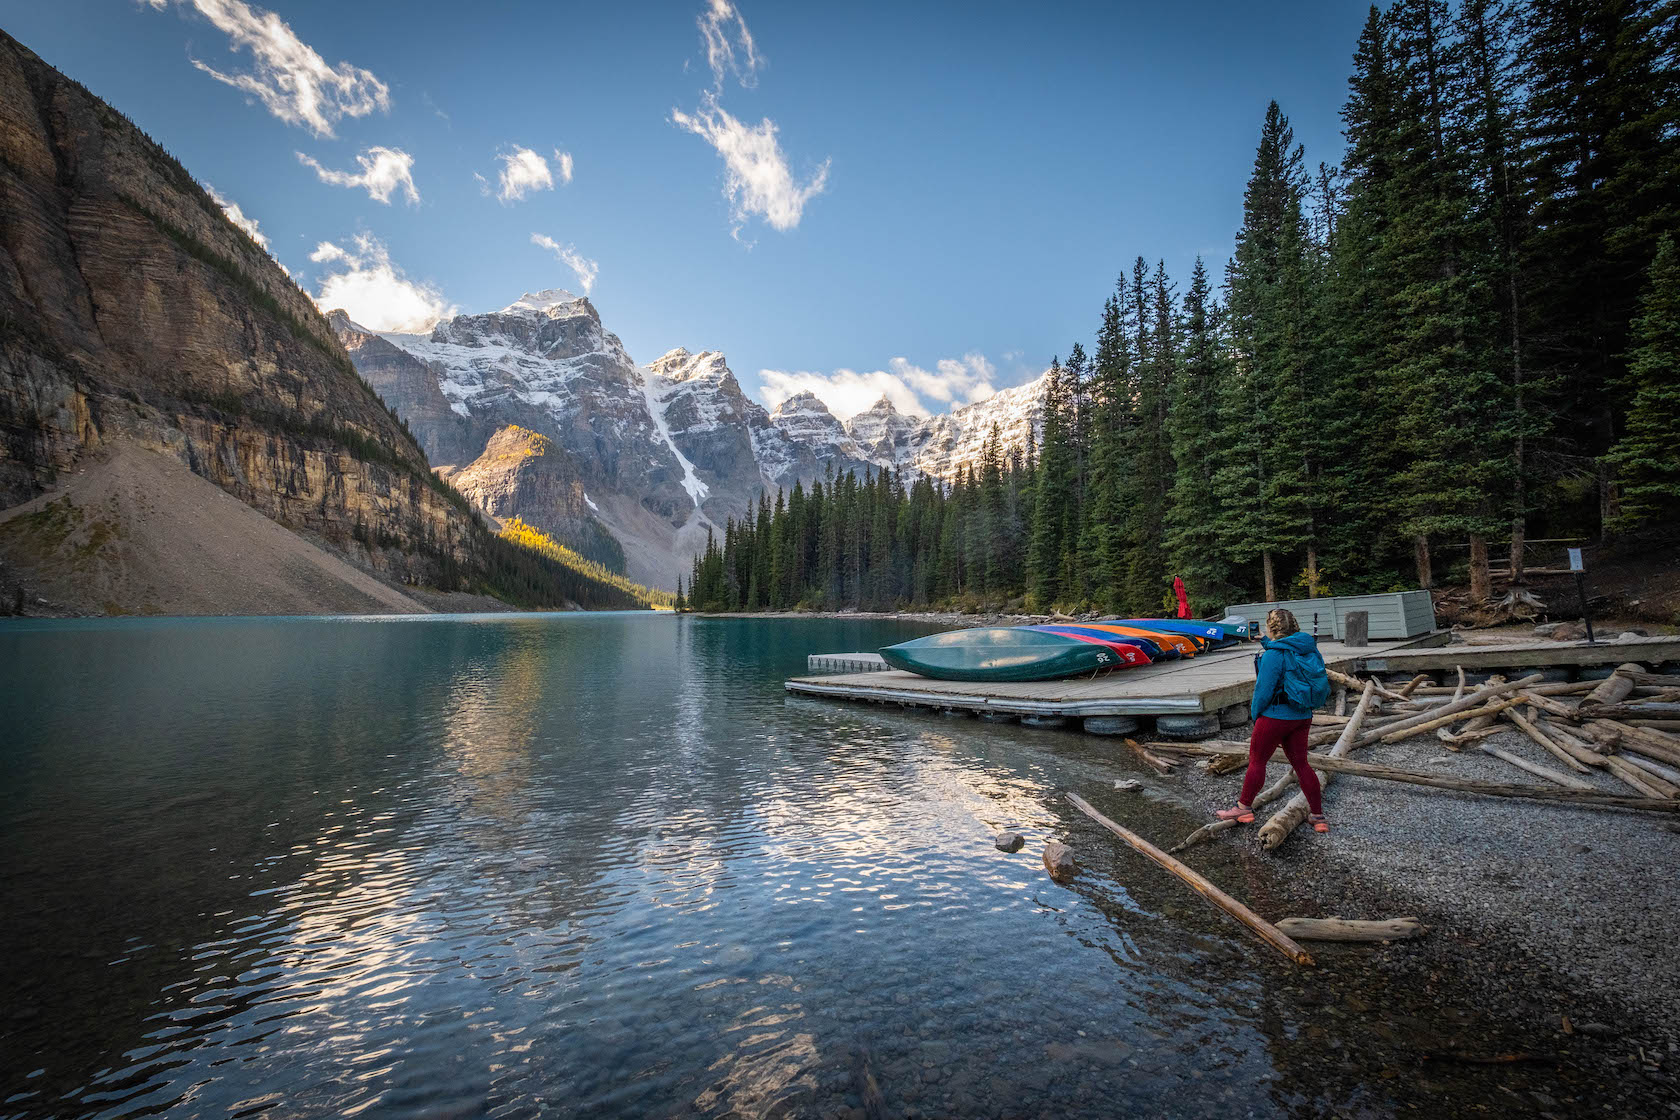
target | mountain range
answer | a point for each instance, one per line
(659, 453)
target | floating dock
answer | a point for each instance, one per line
(1187, 697)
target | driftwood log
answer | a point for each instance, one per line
(1639, 781)
(1261, 927)
(1553, 776)
(1613, 689)
(1276, 830)
(1405, 729)
(1416, 724)
(1213, 828)
(1351, 929)
(1154, 762)
(1666, 773)
(1324, 762)
(1546, 743)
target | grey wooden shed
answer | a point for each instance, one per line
(1395, 614)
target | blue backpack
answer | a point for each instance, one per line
(1305, 682)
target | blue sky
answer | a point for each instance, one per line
(948, 195)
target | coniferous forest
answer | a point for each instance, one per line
(1465, 335)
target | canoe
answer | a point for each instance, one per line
(1010, 653)
(1173, 645)
(1218, 633)
(1155, 646)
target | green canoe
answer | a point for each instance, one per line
(1007, 654)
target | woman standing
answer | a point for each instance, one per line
(1292, 681)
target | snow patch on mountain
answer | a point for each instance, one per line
(657, 402)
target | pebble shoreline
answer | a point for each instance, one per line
(1552, 911)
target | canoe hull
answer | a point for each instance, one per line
(1008, 654)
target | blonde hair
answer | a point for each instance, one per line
(1280, 623)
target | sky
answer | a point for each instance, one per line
(927, 201)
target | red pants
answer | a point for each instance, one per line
(1290, 734)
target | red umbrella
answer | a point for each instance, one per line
(1183, 597)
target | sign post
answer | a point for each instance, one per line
(1580, 569)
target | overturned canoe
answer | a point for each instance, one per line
(1013, 653)
(1171, 644)
(1217, 633)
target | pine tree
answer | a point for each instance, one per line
(1602, 135)
(1102, 540)
(1048, 545)
(1192, 425)
(1263, 481)
(1646, 459)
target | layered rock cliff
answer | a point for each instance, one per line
(133, 311)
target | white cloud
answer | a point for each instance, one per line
(585, 268)
(958, 381)
(383, 171)
(565, 159)
(757, 180)
(291, 80)
(237, 216)
(846, 392)
(725, 32)
(910, 388)
(373, 291)
(523, 171)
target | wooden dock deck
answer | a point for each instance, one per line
(1195, 686)
(1206, 684)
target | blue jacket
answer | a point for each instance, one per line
(1269, 667)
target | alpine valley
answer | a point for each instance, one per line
(537, 412)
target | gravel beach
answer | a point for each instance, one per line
(1557, 912)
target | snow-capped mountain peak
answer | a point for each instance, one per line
(541, 302)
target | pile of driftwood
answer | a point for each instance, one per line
(1624, 726)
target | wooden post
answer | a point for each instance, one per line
(1356, 629)
(1262, 928)
(1481, 583)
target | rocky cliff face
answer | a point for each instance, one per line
(522, 474)
(133, 310)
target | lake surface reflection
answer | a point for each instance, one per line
(591, 865)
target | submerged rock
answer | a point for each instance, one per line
(1009, 841)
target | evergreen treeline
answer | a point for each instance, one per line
(1467, 332)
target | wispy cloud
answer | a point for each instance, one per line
(384, 170)
(954, 381)
(373, 290)
(586, 269)
(910, 388)
(291, 80)
(729, 45)
(525, 171)
(237, 216)
(757, 179)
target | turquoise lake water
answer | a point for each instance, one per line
(598, 865)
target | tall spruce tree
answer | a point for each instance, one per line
(1192, 425)
(1646, 460)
